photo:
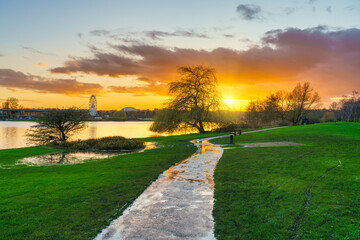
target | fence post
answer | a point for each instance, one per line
(231, 139)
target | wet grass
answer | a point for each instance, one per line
(77, 201)
(292, 192)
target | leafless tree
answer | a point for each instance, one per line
(11, 103)
(301, 100)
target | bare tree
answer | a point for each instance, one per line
(57, 125)
(301, 100)
(11, 103)
(350, 107)
(278, 103)
(194, 97)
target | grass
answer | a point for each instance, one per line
(78, 201)
(294, 192)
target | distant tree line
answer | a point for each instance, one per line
(348, 108)
(283, 107)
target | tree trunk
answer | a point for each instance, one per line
(201, 127)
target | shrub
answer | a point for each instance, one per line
(105, 143)
(284, 123)
(230, 127)
(328, 117)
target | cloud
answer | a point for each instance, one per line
(157, 35)
(99, 33)
(249, 11)
(229, 35)
(42, 64)
(289, 11)
(312, 1)
(32, 50)
(18, 80)
(329, 9)
(323, 56)
(79, 35)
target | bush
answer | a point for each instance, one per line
(105, 143)
(328, 117)
(231, 127)
(284, 123)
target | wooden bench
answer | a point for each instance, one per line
(237, 131)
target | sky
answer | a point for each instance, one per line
(59, 53)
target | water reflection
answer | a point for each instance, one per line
(63, 158)
(13, 134)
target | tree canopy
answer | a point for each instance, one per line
(194, 97)
(58, 125)
(11, 103)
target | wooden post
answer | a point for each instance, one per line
(231, 139)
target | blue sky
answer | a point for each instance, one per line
(54, 32)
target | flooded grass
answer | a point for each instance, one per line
(77, 157)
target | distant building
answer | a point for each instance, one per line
(7, 114)
(129, 109)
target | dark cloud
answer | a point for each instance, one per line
(249, 11)
(319, 54)
(329, 9)
(312, 1)
(99, 33)
(18, 80)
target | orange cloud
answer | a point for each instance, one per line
(42, 64)
(330, 60)
(18, 80)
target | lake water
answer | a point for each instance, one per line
(13, 134)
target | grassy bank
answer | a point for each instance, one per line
(294, 192)
(77, 201)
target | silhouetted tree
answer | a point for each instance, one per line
(11, 103)
(301, 100)
(194, 97)
(57, 125)
(350, 107)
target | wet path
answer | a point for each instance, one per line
(178, 205)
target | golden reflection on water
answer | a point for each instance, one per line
(13, 134)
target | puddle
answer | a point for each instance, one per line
(64, 158)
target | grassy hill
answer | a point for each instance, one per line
(294, 192)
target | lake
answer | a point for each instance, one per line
(13, 134)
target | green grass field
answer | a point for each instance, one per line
(299, 192)
(77, 201)
(293, 192)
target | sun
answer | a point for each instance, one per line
(230, 103)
